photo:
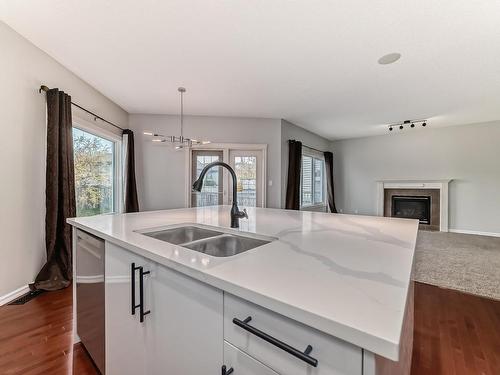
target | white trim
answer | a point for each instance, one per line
(475, 232)
(442, 185)
(94, 128)
(6, 298)
(231, 146)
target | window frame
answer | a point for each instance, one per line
(313, 206)
(94, 129)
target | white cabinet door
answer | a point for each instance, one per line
(242, 363)
(185, 326)
(125, 335)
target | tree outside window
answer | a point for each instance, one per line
(94, 173)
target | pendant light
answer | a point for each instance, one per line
(177, 141)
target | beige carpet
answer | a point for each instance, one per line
(463, 262)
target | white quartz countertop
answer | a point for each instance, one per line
(345, 275)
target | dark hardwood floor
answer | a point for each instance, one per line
(455, 333)
(36, 338)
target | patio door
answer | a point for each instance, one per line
(213, 187)
(248, 166)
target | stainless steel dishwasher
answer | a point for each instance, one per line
(90, 296)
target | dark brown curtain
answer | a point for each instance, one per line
(292, 201)
(329, 181)
(59, 194)
(131, 201)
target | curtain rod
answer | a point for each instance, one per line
(45, 88)
(309, 147)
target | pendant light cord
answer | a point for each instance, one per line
(181, 90)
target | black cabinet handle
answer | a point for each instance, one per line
(227, 372)
(141, 294)
(133, 270)
(304, 356)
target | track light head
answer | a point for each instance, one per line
(424, 124)
(412, 125)
(390, 128)
(401, 127)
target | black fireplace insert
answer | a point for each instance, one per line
(412, 207)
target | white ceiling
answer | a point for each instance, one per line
(311, 62)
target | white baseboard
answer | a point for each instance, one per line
(6, 298)
(477, 233)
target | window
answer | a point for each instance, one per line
(247, 166)
(211, 193)
(312, 181)
(95, 173)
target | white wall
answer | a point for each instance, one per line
(469, 154)
(292, 131)
(22, 151)
(161, 171)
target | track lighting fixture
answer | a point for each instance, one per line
(407, 123)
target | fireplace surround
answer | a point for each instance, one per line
(415, 197)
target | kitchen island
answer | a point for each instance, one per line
(340, 284)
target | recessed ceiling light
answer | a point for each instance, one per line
(389, 59)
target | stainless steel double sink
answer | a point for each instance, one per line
(208, 240)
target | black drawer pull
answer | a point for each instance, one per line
(133, 270)
(304, 356)
(225, 371)
(141, 294)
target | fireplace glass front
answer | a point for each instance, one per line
(412, 207)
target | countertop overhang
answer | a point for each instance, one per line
(347, 276)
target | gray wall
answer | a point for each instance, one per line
(292, 131)
(161, 171)
(22, 151)
(469, 154)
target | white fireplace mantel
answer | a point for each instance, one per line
(442, 185)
